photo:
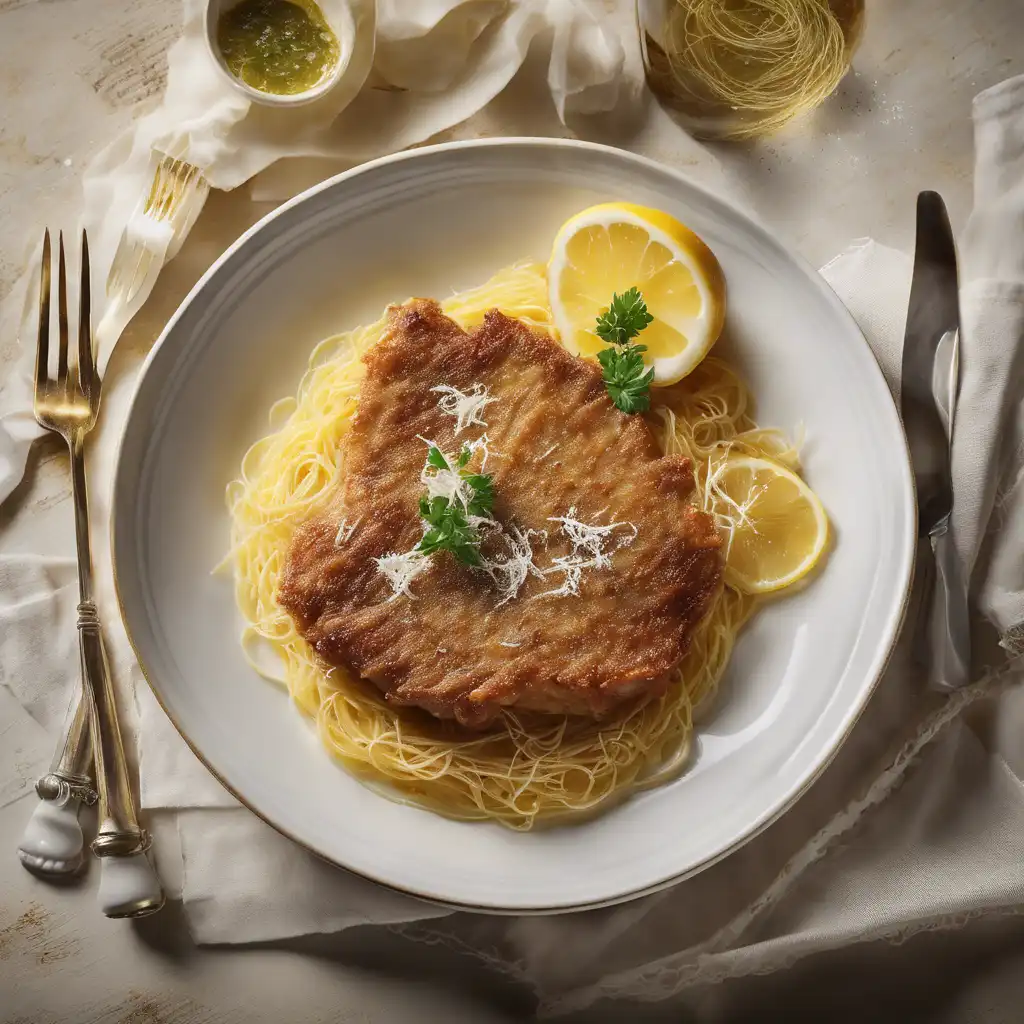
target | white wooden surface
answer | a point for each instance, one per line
(75, 72)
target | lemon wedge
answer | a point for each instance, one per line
(613, 247)
(777, 528)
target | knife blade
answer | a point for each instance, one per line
(928, 405)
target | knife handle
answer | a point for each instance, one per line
(949, 622)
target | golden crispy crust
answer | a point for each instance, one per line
(562, 444)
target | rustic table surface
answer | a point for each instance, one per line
(73, 73)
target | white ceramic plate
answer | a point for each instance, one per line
(425, 223)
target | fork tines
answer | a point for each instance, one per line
(177, 191)
(171, 182)
(80, 374)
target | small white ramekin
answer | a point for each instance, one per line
(339, 19)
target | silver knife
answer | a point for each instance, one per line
(929, 391)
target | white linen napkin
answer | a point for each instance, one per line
(411, 70)
(39, 634)
(988, 451)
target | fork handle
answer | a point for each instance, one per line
(129, 886)
(119, 831)
(119, 834)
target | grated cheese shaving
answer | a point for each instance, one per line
(345, 531)
(444, 483)
(573, 568)
(588, 551)
(481, 444)
(729, 514)
(547, 453)
(466, 408)
(508, 643)
(509, 572)
(400, 569)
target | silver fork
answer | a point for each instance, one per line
(68, 405)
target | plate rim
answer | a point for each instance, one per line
(882, 657)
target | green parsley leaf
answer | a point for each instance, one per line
(452, 533)
(627, 383)
(436, 459)
(625, 379)
(448, 530)
(447, 522)
(625, 318)
(483, 493)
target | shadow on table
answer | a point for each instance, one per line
(372, 949)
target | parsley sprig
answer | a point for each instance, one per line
(627, 382)
(448, 520)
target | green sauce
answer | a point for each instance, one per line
(277, 46)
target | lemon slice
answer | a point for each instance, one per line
(778, 527)
(613, 247)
